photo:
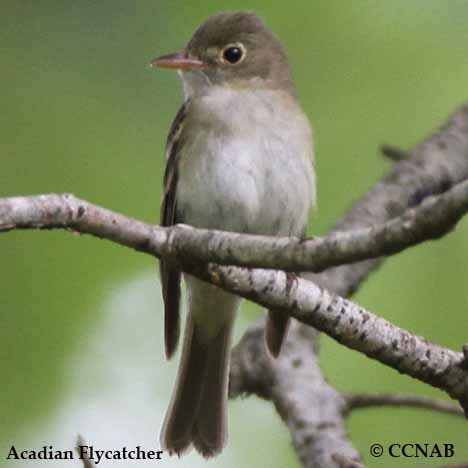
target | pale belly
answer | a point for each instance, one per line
(245, 167)
(241, 186)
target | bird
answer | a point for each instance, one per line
(240, 158)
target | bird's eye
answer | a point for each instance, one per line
(233, 54)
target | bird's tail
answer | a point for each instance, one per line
(197, 412)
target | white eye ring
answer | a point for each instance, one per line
(233, 54)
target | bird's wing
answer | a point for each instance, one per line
(170, 276)
(277, 323)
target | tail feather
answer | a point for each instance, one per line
(209, 432)
(197, 413)
(176, 434)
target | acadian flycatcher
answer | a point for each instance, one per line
(239, 158)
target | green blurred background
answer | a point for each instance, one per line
(80, 319)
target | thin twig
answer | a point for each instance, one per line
(372, 400)
(344, 462)
(464, 465)
(393, 153)
(87, 462)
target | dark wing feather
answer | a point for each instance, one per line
(276, 329)
(277, 323)
(170, 276)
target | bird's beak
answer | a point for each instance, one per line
(179, 60)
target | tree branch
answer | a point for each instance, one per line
(433, 218)
(393, 153)
(437, 164)
(434, 166)
(371, 400)
(344, 462)
(341, 319)
(87, 462)
(348, 323)
(310, 407)
(464, 465)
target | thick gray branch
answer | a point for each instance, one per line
(433, 218)
(434, 166)
(349, 324)
(437, 164)
(310, 407)
(310, 304)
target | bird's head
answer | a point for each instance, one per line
(230, 49)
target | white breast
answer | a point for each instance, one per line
(246, 163)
